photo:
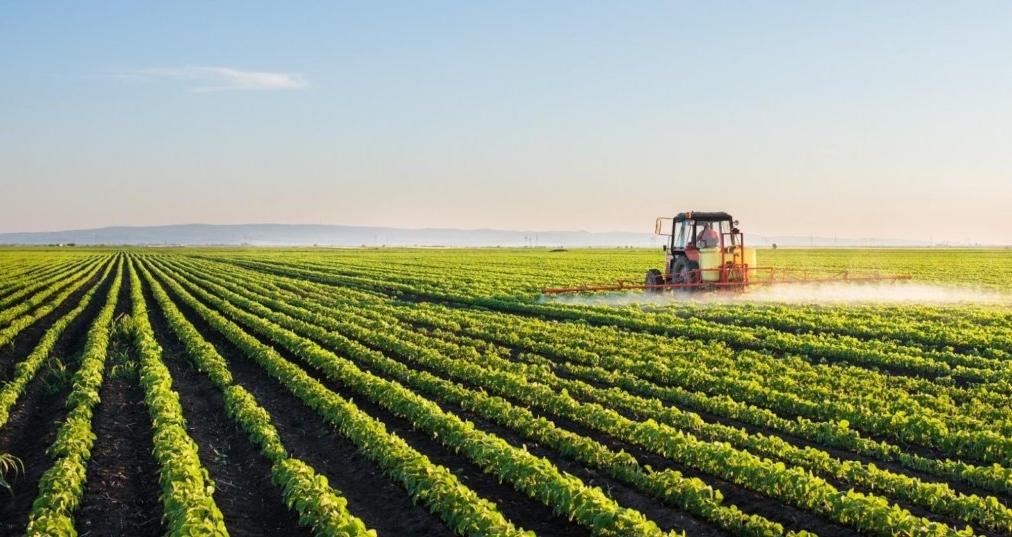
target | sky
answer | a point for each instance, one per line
(839, 119)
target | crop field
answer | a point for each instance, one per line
(431, 392)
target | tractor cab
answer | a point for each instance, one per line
(699, 231)
(702, 248)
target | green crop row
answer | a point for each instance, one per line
(187, 489)
(896, 324)
(62, 485)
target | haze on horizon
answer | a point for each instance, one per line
(856, 119)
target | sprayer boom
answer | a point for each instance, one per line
(759, 277)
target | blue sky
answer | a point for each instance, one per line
(849, 119)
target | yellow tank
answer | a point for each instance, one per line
(709, 264)
(748, 258)
(710, 259)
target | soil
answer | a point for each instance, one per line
(121, 492)
(121, 495)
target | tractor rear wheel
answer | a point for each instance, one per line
(691, 273)
(686, 271)
(654, 277)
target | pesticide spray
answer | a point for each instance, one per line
(836, 293)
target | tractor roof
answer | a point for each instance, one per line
(700, 216)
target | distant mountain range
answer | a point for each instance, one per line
(324, 235)
(328, 235)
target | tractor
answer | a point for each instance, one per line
(703, 250)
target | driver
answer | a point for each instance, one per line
(708, 237)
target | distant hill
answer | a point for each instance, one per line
(327, 235)
(324, 235)
(760, 241)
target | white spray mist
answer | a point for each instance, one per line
(806, 293)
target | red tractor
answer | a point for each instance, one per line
(703, 250)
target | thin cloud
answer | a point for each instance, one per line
(206, 79)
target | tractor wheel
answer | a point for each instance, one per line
(654, 277)
(681, 270)
(689, 272)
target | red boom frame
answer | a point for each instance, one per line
(770, 276)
